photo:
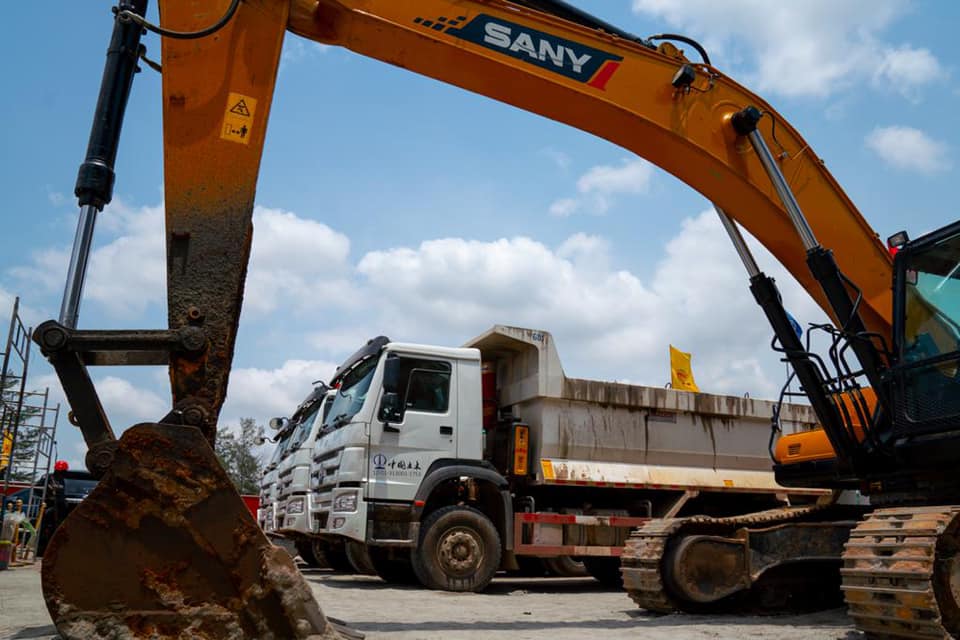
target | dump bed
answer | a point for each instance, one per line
(608, 433)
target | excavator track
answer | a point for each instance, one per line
(901, 573)
(642, 562)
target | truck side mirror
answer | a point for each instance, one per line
(277, 423)
(391, 374)
(390, 409)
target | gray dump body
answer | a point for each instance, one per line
(603, 433)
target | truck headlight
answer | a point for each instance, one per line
(295, 506)
(345, 502)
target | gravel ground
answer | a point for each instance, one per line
(515, 608)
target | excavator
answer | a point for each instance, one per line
(164, 548)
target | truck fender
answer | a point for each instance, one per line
(442, 471)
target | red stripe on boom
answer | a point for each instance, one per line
(603, 76)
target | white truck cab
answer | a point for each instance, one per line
(293, 503)
(378, 447)
(267, 512)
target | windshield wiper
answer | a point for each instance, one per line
(340, 420)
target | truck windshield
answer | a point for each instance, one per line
(351, 394)
(281, 449)
(78, 487)
(302, 431)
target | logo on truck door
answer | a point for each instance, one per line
(547, 51)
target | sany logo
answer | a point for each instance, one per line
(501, 35)
(545, 50)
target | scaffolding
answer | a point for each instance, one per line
(13, 383)
(28, 429)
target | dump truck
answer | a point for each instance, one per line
(449, 464)
(267, 511)
(291, 481)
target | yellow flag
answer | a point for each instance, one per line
(5, 451)
(681, 375)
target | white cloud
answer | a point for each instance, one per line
(296, 49)
(600, 184)
(340, 341)
(905, 70)
(265, 393)
(29, 315)
(56, 198)
(564, 207)
(293, 260)
(136, 404)
(632, 176)
(559, 158)
(125, 275)
(908, 149)
(794, 48)
(608, 323)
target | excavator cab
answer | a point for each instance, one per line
(925, 378)
(920, 437)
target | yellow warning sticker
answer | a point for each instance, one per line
(547, 467)
(238, 118)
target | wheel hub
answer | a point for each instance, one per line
(460, 552)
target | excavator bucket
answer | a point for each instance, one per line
(164, 547)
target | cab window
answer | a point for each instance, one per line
(424, 385)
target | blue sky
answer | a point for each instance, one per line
(390, 203)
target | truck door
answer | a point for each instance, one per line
(421, 428)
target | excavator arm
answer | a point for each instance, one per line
(189, 560)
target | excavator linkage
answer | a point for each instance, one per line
(164, 547)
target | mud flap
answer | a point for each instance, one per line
(164, 547)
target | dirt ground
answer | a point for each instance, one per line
(515, 608)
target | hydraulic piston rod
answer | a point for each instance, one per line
(94, 188)
(820, 261)
(767, 295)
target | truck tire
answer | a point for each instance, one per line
(459, 550)
(393, 566)
(565, 567)
(336, 557)
(306, 550)
(359, 558)
(605, 570)
(529, 567)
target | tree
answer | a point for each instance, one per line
(236, 454)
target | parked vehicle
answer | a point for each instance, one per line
(65, 489)
(448, 464)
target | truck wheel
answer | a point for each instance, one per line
(565, 567)
(605, 570)
(393, 566)
(359, 558)
(336, 557)
(305, 549)
(529, 567)
(459, 550)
